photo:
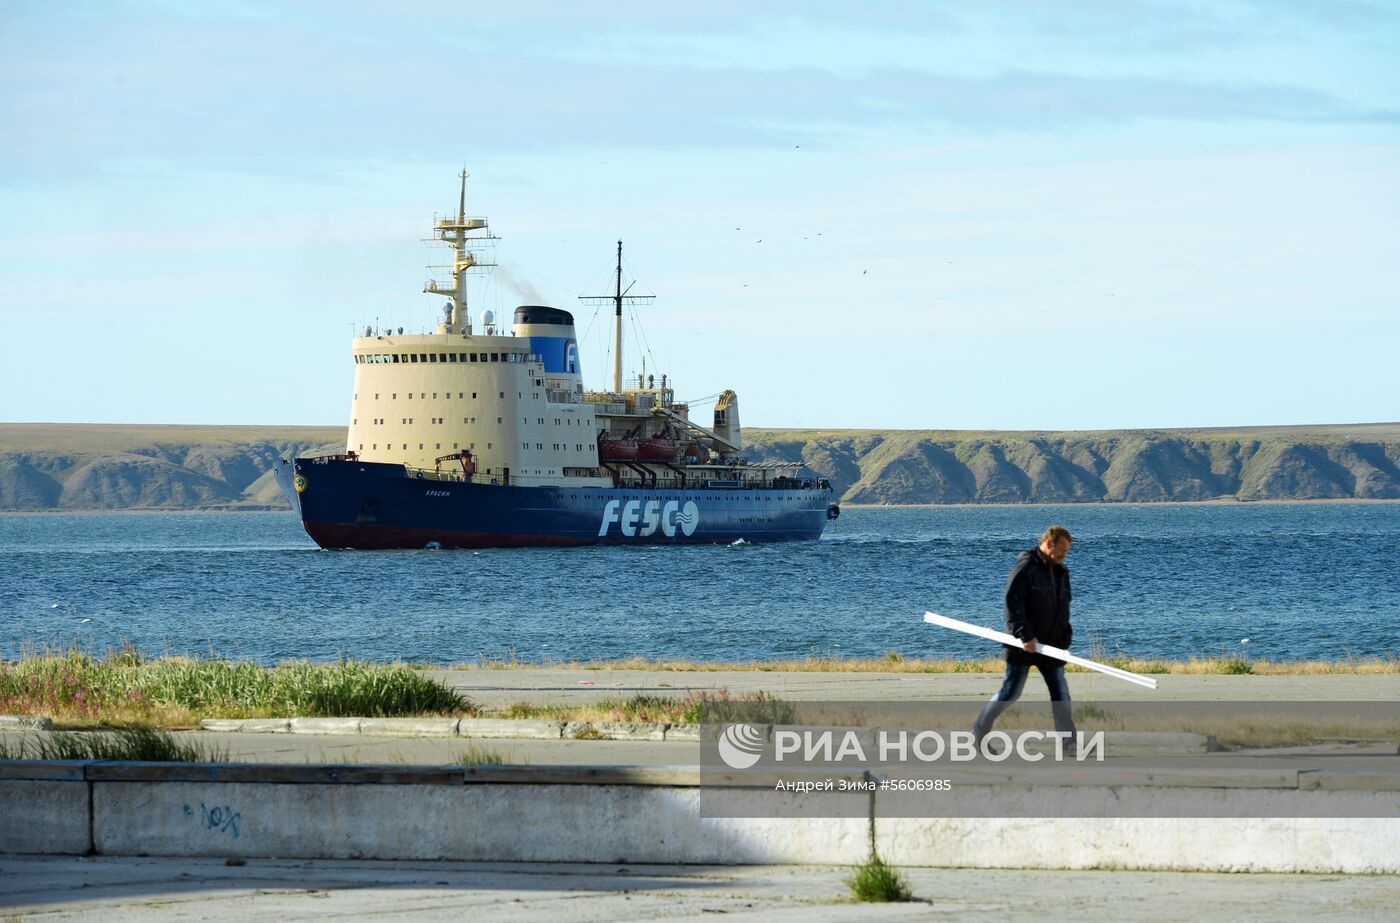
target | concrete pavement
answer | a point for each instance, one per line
(127, 890)
(492, 688)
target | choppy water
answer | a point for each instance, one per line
(1298, 580)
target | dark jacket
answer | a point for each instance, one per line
(1037, 606)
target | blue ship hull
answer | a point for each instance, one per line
(371, 505)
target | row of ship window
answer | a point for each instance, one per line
(408, 421)
(407, 358)
(578, 446)
(423, 395)
(390, 445)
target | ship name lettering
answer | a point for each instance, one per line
(635, 519)
(629, 517)
(649, 518)
(437, 493)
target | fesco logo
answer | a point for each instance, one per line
(634, 518)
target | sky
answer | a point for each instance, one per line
(919, 215)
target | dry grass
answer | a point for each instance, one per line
(896, 663)
(655, 709)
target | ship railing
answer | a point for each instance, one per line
(428, 474)
(730, 484)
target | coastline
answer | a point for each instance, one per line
(1122, 504)
(1116, 504)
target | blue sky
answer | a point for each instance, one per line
(1010, 215)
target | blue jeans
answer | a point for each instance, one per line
(1010, 691)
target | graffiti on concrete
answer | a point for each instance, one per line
(219, 819)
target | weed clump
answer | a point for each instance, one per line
(877, 883)
(476, 755)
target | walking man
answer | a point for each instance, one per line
(1037, 610)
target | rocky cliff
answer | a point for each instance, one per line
(74, 467)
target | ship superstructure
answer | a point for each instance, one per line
(496, 425)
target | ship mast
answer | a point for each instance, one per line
(617, 325)
(467, 255)
(618, 298)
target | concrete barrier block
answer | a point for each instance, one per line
(410, 727)
(226, 725)
(251, 819)
(325, 725)
(44, 816)
(25, 723)
(614, 730)
(547, 823)
(1360, 780)
(1181, 839)
(259, 726)
(521, 729)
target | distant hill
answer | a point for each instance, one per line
(1139, 466)
(132, 467)
(113, 467)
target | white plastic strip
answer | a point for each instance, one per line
(933, 618)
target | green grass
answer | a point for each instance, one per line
(1236, 666)
(877, 883)
(122, 687)
(138, 744)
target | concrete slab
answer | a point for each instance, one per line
(410, 727)
(519, 729)
(325, 725)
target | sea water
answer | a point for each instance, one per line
(1315, 581)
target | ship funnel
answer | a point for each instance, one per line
(552, 338)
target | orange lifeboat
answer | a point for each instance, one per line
(657, 449)
(619, 450)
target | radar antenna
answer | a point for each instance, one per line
(470, 252)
